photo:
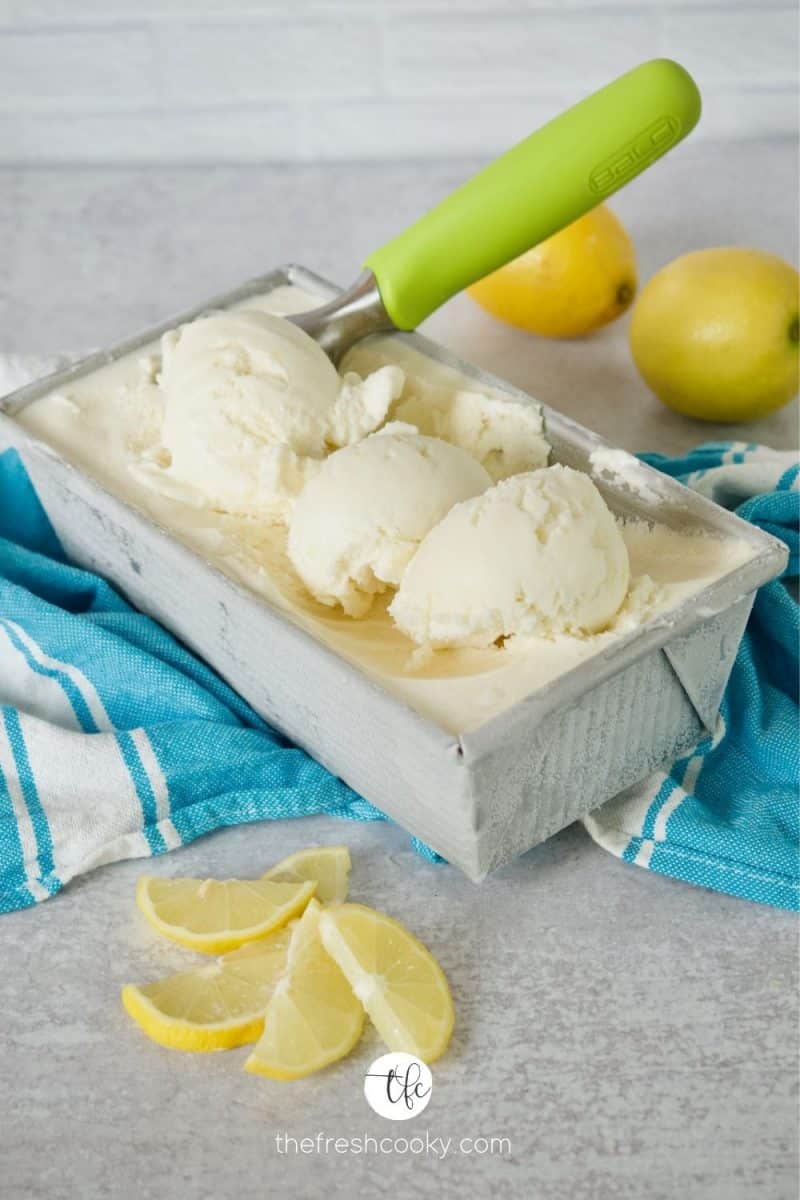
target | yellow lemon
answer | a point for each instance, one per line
(217, 915)
(396, 978)
(217, 1005)
(327, 866)
(715, 334)
(579, 279)
(312, 1018)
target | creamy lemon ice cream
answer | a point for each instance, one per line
(226, 488)
(252, 403)
(359, 521)
(537, 555)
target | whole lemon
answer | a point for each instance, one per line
(579, 279)
(715, 334)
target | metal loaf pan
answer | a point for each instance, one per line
(481, 798)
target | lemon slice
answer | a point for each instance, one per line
(216, 1006)
(313, 1018)
(328, 866)
(216, 915)
(399, 982)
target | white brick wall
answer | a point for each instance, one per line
(237, 81)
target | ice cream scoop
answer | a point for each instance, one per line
(251, 403)
(360, 519)
(505, 434)
(539, 554)
(545, 182)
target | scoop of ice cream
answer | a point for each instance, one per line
(539, 554)
(359, 520)
(504, 433)
(248, 397)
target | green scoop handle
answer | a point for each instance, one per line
(547, 181)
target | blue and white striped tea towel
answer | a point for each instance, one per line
(726, 816)
(117, 743)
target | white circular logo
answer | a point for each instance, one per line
(398, 1086)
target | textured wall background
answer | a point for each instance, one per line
(231, 81)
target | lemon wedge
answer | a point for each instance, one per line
(217, 915)
(398, 981)
(327, 866)
(313, 1018)
(216, 1006)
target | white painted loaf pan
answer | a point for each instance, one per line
(480, 798)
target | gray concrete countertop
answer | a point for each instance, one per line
(632, 1036)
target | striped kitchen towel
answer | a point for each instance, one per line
(115, 742)
(726, 816)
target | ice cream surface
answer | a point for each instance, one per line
(359, 521)
(252, 403)
(537, 555)
(110, 425)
